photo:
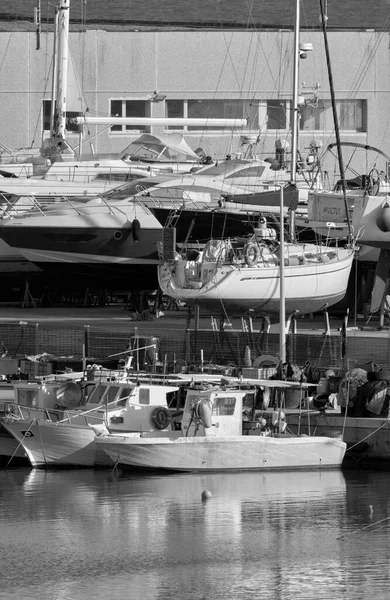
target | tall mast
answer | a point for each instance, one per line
(55, 72)
(62, 62)
(282, 305)
(294, 141)
(335, 118)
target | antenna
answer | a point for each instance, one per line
(37, 23)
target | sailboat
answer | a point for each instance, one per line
(328, 215)
(260, 272)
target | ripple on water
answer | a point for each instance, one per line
(85, 534)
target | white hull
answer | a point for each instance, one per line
(13, 261)
(241, 453)
(10, 448)
(308, 287)
(49, 445)
(367, 214)
(371, 218)
(327, 214)
(368, 438)
(50, 256)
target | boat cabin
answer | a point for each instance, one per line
(134, 406)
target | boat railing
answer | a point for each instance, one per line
(151, 198)
(21, 412)
(31, 205)
(10, 208)
(111, 208)
(68, 416)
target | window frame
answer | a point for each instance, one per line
(116, 130)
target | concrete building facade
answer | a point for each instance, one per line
(230, 73)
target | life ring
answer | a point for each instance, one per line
(160, 417)
(374, 182)
(252, 254)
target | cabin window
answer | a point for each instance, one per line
(97, 394)
(124, 395)
(352, 115)
(144, 396)
(172, 399)
(117, 177)
(27, 397)
(251, 172)
(129, 108)
(224, 406)
(111, 393)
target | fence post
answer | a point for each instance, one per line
(187, 345)
(85, 346)
(36, 346)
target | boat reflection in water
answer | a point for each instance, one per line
(153, 537)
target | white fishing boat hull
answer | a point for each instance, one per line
(47, 444)
(367, 438)
(240, 453)
(10, 449)
(70, 441)
(308, 287)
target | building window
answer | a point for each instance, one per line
(352, 115)
(129, 108)
(70, 114)
(276, 114)
(213, 109)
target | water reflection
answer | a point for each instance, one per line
(86, 534)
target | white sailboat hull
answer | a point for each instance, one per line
(308, 288)
(243, 453)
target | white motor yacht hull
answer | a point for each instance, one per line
(240, 453)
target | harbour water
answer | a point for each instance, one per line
(84, 534)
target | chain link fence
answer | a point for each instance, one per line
(189, 346)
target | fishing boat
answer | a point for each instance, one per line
(358, 408)
(65, 436)
(37, 396)
(214, 437)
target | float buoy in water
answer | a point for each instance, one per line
(206, 495)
